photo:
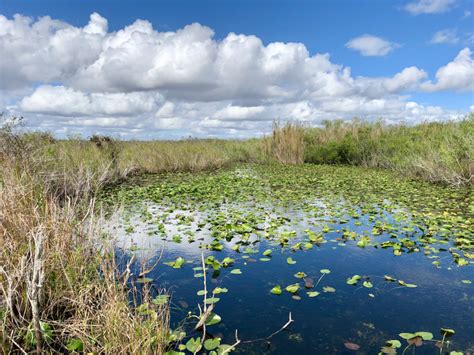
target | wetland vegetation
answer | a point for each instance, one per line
(351, 237)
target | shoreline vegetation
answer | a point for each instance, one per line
(60, 292)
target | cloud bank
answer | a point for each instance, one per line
(144, 83)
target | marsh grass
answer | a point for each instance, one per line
(60, 287)
(286, 143)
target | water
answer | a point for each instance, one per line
(365, 316)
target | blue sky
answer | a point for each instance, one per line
(321, 26)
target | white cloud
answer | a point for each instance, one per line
(46, 50)
(466, 14)
(141, 82)
(457, 75)
(238, 113)
(448, 35)
(369, 45)
(59, 100)
(429, 6)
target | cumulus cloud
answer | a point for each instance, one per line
(46, 50)
(369, 45)
(448, 35)
(429, 6)
(142, 82)
(457, 75)
(59, 100)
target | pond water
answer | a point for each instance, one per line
(357, 256)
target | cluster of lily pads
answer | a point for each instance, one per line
(308, 284)
(297, 208)
(417, 339)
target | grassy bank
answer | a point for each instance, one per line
(435, 152)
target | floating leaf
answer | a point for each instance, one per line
(227, 261)
(308, 282)
(325, 271)
(212, 319)
(367, 284)
(212, 300)
(194, 345)
(329, 289)
(447, 332)
(219, 290)
(352, 346)
(290, 260)
(312, 293)
(300, 275)
(161, 300)
(293, 288)
(267, 252)
(236, 272)
(394, 343)
(353, 280)
(211, 344)
(177, 263)
(406, 335)
(276, 290)
(425, 335)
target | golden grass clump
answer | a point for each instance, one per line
(286, 143)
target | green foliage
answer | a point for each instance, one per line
(437, 152)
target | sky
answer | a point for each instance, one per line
(228, 68)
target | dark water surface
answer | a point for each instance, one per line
(249, 210)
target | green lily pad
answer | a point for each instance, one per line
(276, 290)
(300, 275)
(211, 344)
(293, 288)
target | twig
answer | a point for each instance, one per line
(35, 284)
(18, 345)
(286, 325)
(203, 315)
(233, 346)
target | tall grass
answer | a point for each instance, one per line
(285, 144)
(59, 287)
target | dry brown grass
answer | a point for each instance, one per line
(57, 282)
(286, 143)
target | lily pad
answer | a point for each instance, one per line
(293, 288)
(276, 290)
